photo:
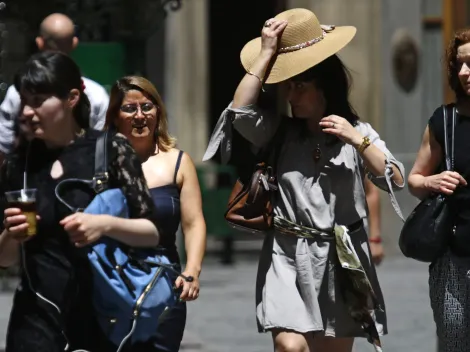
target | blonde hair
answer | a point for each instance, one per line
(164, 140)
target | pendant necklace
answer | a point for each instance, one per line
(317, 153)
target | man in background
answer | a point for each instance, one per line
(57, 32)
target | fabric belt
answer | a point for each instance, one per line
(290, 228)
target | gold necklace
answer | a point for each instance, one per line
(317, 150)
(317, 153)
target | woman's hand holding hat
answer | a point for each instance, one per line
(270, 34)
(249, 88)
(303, 44)
(341, 128)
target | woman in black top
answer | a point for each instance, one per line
(449, 275)
(52, 308)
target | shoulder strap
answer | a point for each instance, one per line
(99, 183)
(454, 122)
(178, 163)
(449, 145)
(273, 149)
(101, 178)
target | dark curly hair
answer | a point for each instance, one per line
(461, 37)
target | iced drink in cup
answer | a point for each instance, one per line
(25, 200)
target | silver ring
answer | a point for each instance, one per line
(333, 125)
(267, 24)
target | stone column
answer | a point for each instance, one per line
(186, 81)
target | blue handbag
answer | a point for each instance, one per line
(133, 287)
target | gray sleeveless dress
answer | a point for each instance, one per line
(296, 286)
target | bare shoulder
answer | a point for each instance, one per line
(174, 153)
(187, 168)
(186, 161)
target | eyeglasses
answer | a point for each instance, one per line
(133, 108)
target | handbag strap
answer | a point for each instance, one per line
(449, 149)
(272, 151)
(100, 180)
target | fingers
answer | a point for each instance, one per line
(12, 211)
(185, 292)
(178, 282)
(75, 230)
(455, 177)
(193, 293)
(68, 219)
(18, 230)
(15, 223)
(278, 26)
(448, 186)
(72, 225)
(331, 122)
(190, 292)
(273, 27)
(14, 220)
(331, 118)
(449, 182)
(445, 191)
(463, 181)
(269, 23)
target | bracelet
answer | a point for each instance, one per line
(259, 78)
(375, 239)
(365, 143)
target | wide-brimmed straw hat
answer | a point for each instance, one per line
(303, 44)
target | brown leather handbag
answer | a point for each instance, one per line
(250, 205)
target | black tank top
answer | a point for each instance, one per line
(460, 200)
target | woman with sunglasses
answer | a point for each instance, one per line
(52, 309)
(137, 111)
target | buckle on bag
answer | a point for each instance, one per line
(100, 181)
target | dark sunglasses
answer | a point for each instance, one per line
(133, 108)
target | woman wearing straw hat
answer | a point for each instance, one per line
(316, 289)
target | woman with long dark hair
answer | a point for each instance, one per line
(306, 290)
(52, 309)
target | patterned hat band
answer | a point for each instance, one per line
(325, 29)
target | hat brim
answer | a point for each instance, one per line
(288, 65)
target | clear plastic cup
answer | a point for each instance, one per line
(25, 199)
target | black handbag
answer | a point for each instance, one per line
(427, 230)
